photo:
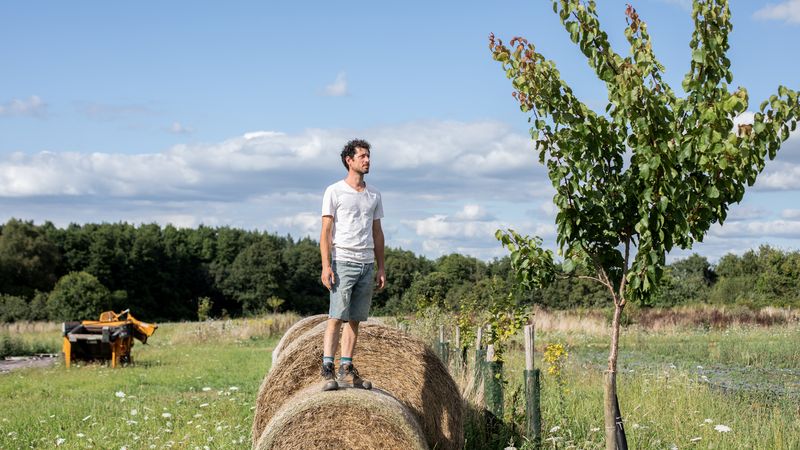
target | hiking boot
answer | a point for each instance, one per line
(329, 377)
(348, 375)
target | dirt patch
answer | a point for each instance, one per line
(23, 362)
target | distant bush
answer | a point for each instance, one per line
(13, 308)
(78, 296)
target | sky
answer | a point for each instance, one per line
(234, 113)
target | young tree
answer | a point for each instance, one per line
(686, 162)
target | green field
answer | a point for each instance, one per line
(194, 386)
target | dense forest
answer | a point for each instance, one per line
(168, 273)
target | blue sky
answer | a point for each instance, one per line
(234, 113)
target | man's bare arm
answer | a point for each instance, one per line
(325, 237)
(377, 236)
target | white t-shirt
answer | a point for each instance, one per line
(353, 213)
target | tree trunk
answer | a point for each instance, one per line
(615, 432)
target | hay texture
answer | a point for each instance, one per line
(296, 330)
(345, 419)
(392, 360)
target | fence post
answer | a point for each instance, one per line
(493, 384)
(532, 393)
(444, 347)
(479, 355)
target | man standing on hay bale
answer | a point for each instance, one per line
(351, 245)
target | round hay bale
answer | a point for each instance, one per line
(296, 330)
(347, 419)
(392, 360)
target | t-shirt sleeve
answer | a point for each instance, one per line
(329, 202)
(378, 209)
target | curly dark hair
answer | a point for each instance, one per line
(349, 150)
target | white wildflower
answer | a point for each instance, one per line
(60, 440)
(722, 428)
(594, 429)
(166, 415)
(80, 435)
(134, 412)
(555, 429)
(206, 389)
(120, 394)
(708, 421)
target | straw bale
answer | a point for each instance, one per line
(392, 360)
(299, 327)
(347, 419)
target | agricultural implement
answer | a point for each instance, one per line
(110, 338)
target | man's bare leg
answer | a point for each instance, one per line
(331, 340)
(349, 338)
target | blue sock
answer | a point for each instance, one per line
(327, 359)
(345, 360)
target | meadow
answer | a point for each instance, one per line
(194, 386)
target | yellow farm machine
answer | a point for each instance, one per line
(110, 338)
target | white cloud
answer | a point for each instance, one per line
(791, 214)
(307, 223)
(471, 212)
(34, 106)
(759, 229)
(779, 176)
(179, 128)
(339, 87)
(788, 11)
(548, 208)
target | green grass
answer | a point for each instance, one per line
(195, 385)
(189, 388)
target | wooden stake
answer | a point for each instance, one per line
(528, 347)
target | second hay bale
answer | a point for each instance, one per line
(348, 419)
(394, 361)
(295, 331)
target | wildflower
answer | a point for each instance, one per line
(80, 435)
(708, 421)
(594, 429)
(555, 429)
(166, 415)
(233, 388)
(722, 428)
(134, 412)
(120, 394)
(60, 440)
(206, 389)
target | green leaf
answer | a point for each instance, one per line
(698, 55)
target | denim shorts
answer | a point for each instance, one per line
(351, 293)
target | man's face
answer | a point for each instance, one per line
(360, 162)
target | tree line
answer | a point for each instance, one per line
(168, 273)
